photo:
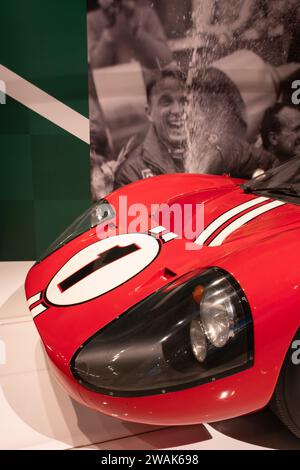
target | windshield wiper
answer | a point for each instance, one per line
(284, 190)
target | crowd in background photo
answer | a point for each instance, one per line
(205, 87)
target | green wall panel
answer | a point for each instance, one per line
(16, 167)
(46, 43)
(18, 237)
(44, 176)
(63, 212)
(14, 118)
(59, 167)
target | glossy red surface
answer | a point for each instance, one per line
(262, 255)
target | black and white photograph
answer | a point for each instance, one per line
(196, 86)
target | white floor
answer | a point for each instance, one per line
(37, 414)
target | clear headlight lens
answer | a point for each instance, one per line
(99, 213)
(198, 340)
(217, 313)
(196, 329)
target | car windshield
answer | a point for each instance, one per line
(283, 180)
(100, 212)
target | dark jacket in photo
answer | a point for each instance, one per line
(151, 158)
(233, 156)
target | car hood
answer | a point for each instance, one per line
(227, 213)
(230, 222)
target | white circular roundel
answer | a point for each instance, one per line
(101, 267)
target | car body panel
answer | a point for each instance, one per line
(261, 255)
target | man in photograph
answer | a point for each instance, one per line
(122, 30)
(164, 147)
(280, 132)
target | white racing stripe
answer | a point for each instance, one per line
(35, 298)
(157, 230)
(169, 236)
(236, 224)
(38, 309)
(217, 223)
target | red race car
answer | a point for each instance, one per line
(149, 322)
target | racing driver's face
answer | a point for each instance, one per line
(167, 111)
(286, 143)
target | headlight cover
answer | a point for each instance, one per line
(165, 343)
(217, 312)
(98, 213)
